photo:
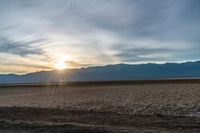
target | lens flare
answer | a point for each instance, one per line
(60, 65)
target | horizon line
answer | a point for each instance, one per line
(157, 63)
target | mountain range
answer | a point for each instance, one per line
(149, 71)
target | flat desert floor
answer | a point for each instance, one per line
(160, 107)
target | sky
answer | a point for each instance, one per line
(35, 34)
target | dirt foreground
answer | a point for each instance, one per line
(49, 120)
(152, 107)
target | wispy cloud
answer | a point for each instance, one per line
(20, 48)
(101, 31)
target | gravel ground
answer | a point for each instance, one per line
(141, 108)
(145, 99)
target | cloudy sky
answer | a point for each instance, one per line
(35, 34)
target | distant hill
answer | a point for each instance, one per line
(110, 72)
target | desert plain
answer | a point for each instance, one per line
(132, 107)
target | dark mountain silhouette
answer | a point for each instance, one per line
(110, 72)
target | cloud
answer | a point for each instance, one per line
(101, 31)
(152, 51)
(20, 48)
(144, 54)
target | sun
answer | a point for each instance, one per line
(60, 65)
